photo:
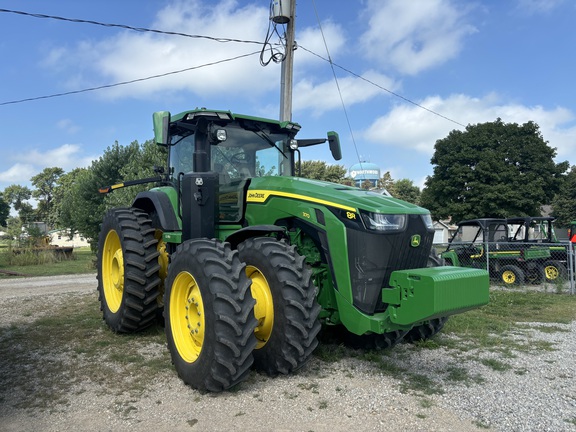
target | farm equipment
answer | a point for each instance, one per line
(484, 243)
(247, 260)
(540, 230)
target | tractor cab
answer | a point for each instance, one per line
(234, 148)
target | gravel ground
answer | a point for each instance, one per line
(535, 391)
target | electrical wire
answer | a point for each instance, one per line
(275, 55)
(329, 60)
(383, 88)
(127, 27)
(127, 82)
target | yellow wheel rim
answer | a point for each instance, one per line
(509, 277)
(163, 260)
(264, 308)
(187, 317)
(551, 272)
(113, 271)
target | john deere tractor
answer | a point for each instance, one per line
(247, 260)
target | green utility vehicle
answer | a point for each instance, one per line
(540, 230)
(484, 243)
(246, 260)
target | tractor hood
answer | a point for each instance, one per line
(328, 194)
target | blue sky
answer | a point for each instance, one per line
(470, 61)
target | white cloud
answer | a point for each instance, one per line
(313, 39)
(29, 163)
(129, 55)
(17, 173)
(67, 157)
(413, 36)
(409, 126)
(324, 96)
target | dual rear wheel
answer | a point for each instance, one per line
(227, 310)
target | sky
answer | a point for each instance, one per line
(403, 75)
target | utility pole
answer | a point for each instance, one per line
(287, 68)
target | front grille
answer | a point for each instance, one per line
(374, 256)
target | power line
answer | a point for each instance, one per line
(383, 88)
(127, 27)
(221, 40)
(329, 60)
(127, 82)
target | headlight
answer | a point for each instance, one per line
(428, 221)
(383, 222)
(221, 135)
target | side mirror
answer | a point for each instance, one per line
(334, 142)
(161, 121)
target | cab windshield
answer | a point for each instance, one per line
(244, 154)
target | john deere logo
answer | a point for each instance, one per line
(415, 240)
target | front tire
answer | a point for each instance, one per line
(209, 319)
(425, 331)
(512, 275)
(128, 270)
(373, 341)
(286, 306)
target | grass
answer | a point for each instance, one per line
(82, 262)
(43, 360)
(468, 335)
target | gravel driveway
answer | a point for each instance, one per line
(537, 392)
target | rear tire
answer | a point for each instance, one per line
(128, 270)
(286, 306)
(555, 271)
(425, 331)
(511, 275)
(209, 318)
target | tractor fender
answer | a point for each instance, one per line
(159, 207)
(255, 231)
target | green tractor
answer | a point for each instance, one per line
(247, 261)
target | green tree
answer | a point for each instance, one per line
(143, 159)
(406, 190)
(4, 210)
(64, 185)
(46, 183)
(82, 206)
(16, 195)
(492, 170)
(564, 203)
(320, 170)
(27, 213)
(366, 185)
(386, 182)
